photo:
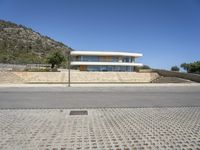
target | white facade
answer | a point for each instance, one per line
(116, 61)
(103, 53)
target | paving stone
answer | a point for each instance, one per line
(106, 128)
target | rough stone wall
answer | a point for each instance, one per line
(10, 77)
(86, 77)
(76, 77)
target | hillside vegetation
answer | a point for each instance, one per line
(22, 45)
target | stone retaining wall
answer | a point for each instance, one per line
(86, 77)
(9, 77)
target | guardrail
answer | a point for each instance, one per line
(189, 76)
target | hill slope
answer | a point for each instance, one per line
(19, 44)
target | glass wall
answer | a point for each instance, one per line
(103, 59)
(89, 58)
(126, 59)
(110, 68)
(115, 59)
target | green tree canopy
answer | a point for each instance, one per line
(56, 58)
(142, 67)
(191, 67)
(175, 68)
(145, 67)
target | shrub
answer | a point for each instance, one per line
(175, 68)
(40, 70)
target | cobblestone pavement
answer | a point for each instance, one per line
(106, 128)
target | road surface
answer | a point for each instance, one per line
(99, 97)
(153, 126)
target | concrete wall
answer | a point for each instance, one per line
(86, 77)
(189, 76)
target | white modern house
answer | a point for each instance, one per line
(104, 61)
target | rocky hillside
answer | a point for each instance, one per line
(19, 44)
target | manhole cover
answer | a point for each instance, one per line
(78, 112)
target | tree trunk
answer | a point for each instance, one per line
(52, 66)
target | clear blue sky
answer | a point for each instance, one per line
(167, 32)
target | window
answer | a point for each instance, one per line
(115, 59)
(90, 58)
(127, 59)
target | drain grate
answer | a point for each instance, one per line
(78, 112)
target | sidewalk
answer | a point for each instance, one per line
(102, 85)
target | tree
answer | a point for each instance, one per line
(191, 67)
(145, 67)
(175, 68)
(185, 66)
(137, 69)
(56, 58)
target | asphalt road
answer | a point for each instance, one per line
(89, 97)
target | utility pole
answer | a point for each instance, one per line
(69, 62)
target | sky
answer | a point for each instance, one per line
(166, 32)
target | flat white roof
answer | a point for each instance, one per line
(104, 53)
(77, 63)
